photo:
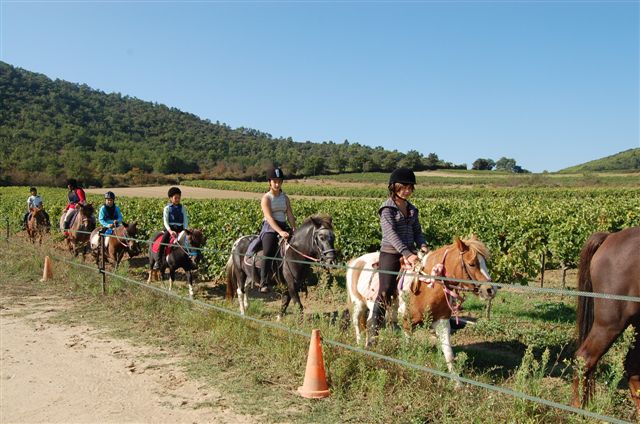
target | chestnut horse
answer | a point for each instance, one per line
(419, 295)
(609, 263)
(80, 229)
(116, 244)
(36, 225)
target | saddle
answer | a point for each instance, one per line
(155, 247)
(254, 254)
(94, 238)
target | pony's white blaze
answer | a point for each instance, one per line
(483, 268)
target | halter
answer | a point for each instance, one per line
(452, 293)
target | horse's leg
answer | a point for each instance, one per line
(377, 312)
(286, 298)
(241, 283)
(172, 276)
(443, 331)
(403, 301)
(190, 282)
(632, 367)
(293, 292)
(245, 299)
(359, 309)
(598, 341)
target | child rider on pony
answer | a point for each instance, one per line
(34, 201)
(109, 216)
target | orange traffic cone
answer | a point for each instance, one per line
(315, 381)
(47, 271)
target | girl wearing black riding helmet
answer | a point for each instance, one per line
(401, 236)
(276, 210)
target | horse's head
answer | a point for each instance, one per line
(131, 232)
(37, 214)
(196, 239)
(468, 261)
(322, 238)
(85, 212)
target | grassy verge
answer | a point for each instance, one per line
(261, 368)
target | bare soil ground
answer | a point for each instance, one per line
(58, 374)
(187, 191)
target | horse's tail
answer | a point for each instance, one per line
(232, 287)
(585, 304)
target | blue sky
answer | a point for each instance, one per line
(550, 84)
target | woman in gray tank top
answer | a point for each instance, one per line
(276, 209)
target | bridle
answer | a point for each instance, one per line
(315, 245)
(453, 291)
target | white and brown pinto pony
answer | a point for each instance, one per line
(419, 293)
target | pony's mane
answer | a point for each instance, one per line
(325, 221)
(477, 247)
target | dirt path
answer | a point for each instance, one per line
(190, 192)
(53, 373)
(187, 192)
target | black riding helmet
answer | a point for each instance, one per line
(402, 176)
(33, 189)
(275, 173)
(173, 191)
(72, 182)
(110, 195)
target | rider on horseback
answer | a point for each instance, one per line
(110, 215)
(34, 201)
(401, 234)
(76, 197)
(174, 216)
(276, 209)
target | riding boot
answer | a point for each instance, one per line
(264, 274)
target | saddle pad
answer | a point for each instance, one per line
(155, 247)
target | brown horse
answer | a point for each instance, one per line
(419, 295)
(36, 225)
(609, 263)
(117, 244)
(80, 229)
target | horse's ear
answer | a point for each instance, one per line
(461, 246)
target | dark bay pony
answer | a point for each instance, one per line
(118, 245)
(419, 295)
(609, 263)
(36, 225)
(80, 229)
(312, 242)
(178, 255)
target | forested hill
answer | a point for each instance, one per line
(51, 130)
(624, 161)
